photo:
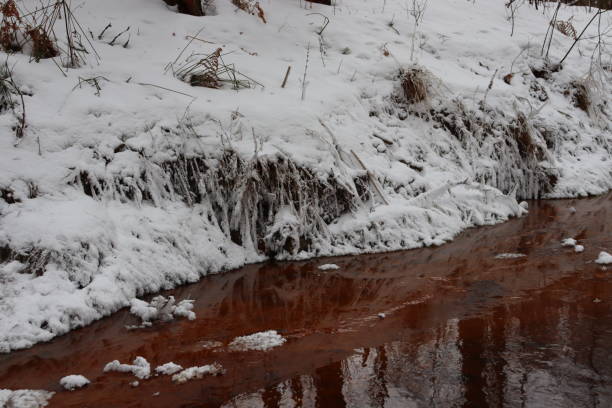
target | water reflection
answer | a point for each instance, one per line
(550, 351)
(462, 329)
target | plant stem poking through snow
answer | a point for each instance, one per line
(304, 83)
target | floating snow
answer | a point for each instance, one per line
(328, 267)
(524, 204)
(509, 256)
(579, 248)
(72, 382)
(604, 258)
(382, 315)
(168, 368)
(568, 242)
(261, 341)
(135, 384)
(140, 367)
(211, 344)
(197, 372)
(161, 308)
(25, 398)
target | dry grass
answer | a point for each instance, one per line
(566, 28)
(210, 71)
(10, 27)
(251, 7)
(415, 85)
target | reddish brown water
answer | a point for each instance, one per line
(461, 329)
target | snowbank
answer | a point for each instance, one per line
(142, 182)
(74, 381)
(262, 341)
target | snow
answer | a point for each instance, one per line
(74, 381)
(211, 344)
(328, 267)
(104, 201)
(579, 248)
(568, 242)
(168, 368)
(382, 315)
(24, 398)
(262, 341)
(197, 372)
(162, 308)
(509, 256)
(140, 367)
(604, 258)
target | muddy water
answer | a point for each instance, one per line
(462, 328)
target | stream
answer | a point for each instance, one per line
(461, 327)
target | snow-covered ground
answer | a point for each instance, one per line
(151, 183)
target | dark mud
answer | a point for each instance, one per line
(462, 328)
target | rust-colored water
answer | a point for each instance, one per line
(461, 329)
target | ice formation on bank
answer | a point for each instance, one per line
(262, 341)
(328, 267)
(74, 381)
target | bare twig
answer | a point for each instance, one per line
(286, 76)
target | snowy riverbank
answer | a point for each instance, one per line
(148, 182)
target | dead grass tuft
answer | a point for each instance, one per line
(42, 45)
(566, 28)
(210, 71)
(10, 27)
(251, 7)
(415, 85)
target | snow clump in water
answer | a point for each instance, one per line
(25, 398)
(198, 372)
(261, 341)
(328, 267)
(140, 367)
(568, 242)
(162, 308)
(168, 368)
(72, 382)
(604, 258)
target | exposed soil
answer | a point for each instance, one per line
(462, 328)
